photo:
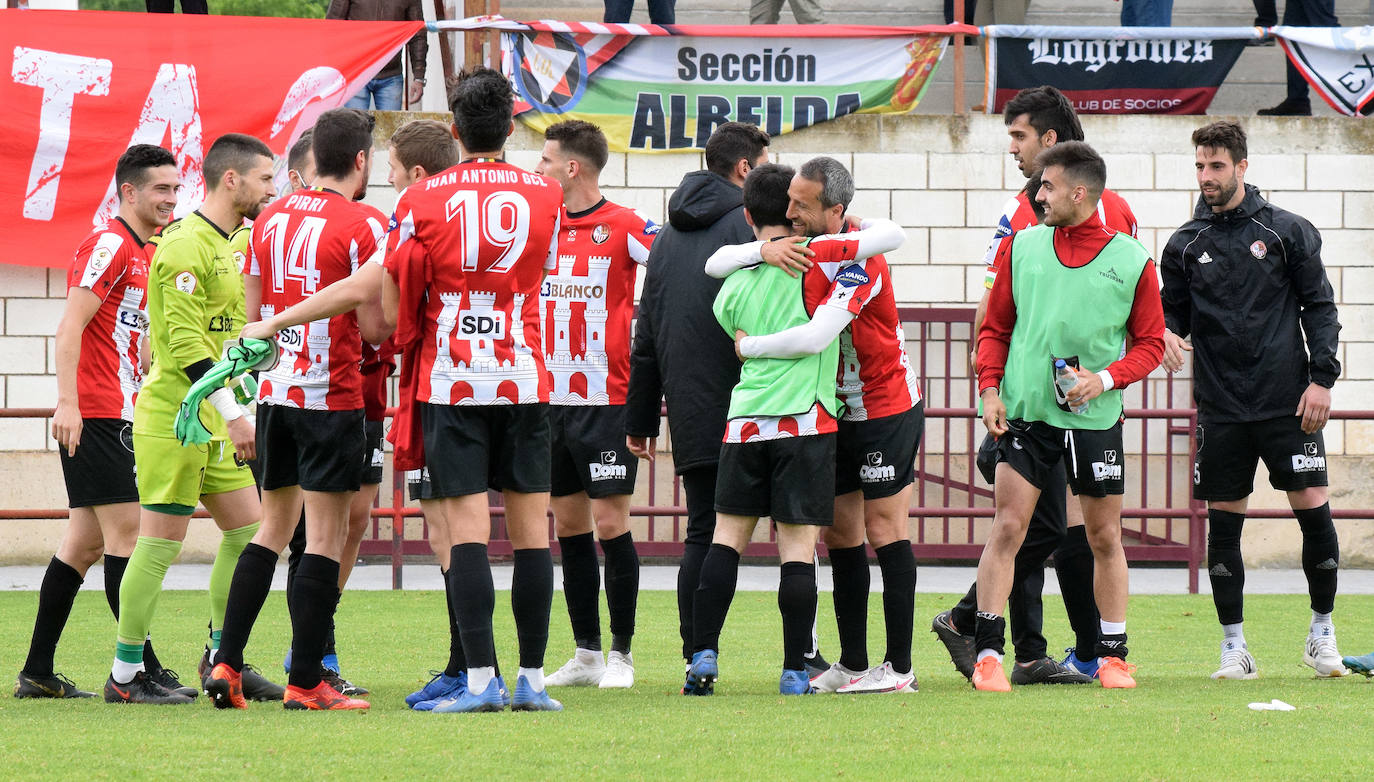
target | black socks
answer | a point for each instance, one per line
(247, 593)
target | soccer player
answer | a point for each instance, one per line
(101, 360)
(1244, 279)
(1037, 118)
(1073, 290)
(679, 354)
(311, 417)
(482, 389)
(878, 435)
(589, 303)
(195, 304)
(778, 454)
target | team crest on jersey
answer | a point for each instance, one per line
(852, 277)
(100, 259)
(239, 258)
(1259, 250)
(601, 233)
(186, 282)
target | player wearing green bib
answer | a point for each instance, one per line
(195, 304)
(778, 458)
(1079, 292)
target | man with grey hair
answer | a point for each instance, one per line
(878, 436)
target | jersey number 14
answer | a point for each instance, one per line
(295, 261)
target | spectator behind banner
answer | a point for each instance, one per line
(384, 91)
(187, 6)
(660, 11)
(768, 11)
(1147, 13)
(1301, 13)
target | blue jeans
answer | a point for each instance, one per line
(1147, 13)
(385, 92)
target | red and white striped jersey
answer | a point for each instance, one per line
(875, 378)
(113, 264)
(1017, 215)
(491, 230)
(301, 244)
(589, 301)
(757, 429)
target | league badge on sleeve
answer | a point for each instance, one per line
(852, 277)
(186, 282)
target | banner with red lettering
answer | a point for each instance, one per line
(1115, 70)
(82, 86)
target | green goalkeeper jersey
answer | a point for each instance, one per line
(195, 305)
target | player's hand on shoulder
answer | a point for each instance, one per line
(1174, 347)
(66, 426)
(1314, 407)
(790, 254)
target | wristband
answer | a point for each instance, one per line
(224, 402)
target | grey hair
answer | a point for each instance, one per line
(837, 185)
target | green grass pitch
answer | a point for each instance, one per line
(1177, 725)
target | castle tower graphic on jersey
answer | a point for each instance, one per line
(589, 303)
(490, 230)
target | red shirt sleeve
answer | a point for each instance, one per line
(1146, 327)
(994, 339)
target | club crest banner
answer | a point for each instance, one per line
(660, 88)
(80, 87)
(1337, 61)
(1114, 70)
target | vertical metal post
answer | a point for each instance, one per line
(959, 107)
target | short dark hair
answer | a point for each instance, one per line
(482, 106)
(765, 194)
(581, 139)
(837, 184)
(1224, 134)
(1081, 163)
(1046, 109)
(232, 152)
(426, 143)
(295, 157)
(133, 165)
(732, 142)
(340, 134)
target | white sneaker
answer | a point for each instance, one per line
(881, 679)
(835, 677)
(620, 672)
(583, 670)
(1321, 653)
(1236, 663)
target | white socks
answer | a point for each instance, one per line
(1112, 628)
(535, 676)
(480, 678)
(123, 672)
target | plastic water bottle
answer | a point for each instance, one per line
(1065, 378)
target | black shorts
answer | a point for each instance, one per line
(1227, 455)
(374, 458)
(589, 452)
(1094, 459)
(878, 455)
(102, 472)
(469, 449)
(791, 479)
(318, 450)
(418, 485)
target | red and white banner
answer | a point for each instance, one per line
(82, 86)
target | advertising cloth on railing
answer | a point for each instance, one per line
(82, 86)
(660, 88)
(1337, 61)
(1115, 70)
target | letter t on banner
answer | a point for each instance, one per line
(61, 77)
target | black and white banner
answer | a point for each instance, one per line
(1337, 61)
(1114, 70)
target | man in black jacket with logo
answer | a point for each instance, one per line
(1244, 279)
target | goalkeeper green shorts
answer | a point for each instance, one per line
(172, 474)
